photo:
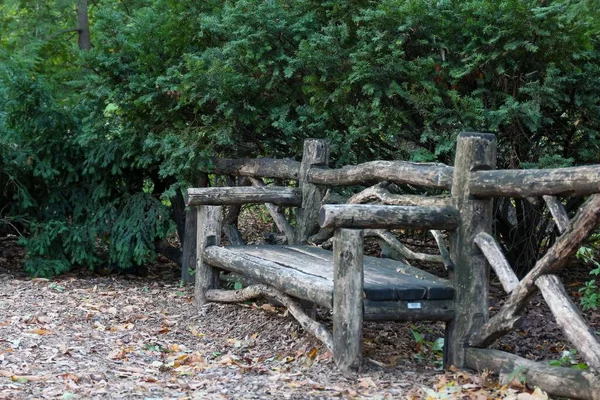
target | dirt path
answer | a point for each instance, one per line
(85, 336)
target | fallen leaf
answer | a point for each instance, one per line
(40, 331)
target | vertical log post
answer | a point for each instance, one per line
(316, 154)
(209, 234)
(474, 151)
(347, 298)
(188, 261)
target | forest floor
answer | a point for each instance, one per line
(85, 336)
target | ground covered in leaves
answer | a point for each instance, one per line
(123, 337)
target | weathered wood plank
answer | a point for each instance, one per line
(471, 272)
(424, 174)
(584, 223)
(295, 283)
(424, 310)
(242, 195)
(557, 381)
(569, 318)
(208, 234)
(361, 216)
(256, 167)
(347, 298)
(573, 181)
(558, 212)
(315, 157)
(492, 251)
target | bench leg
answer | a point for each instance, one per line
(209, 234)
(347, 298)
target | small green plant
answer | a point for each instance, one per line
(428, 350)
(568, 359)
(590, 290)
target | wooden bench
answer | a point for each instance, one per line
(358, 287)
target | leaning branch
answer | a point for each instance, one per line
(256, 291)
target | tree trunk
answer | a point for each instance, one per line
(83, 25)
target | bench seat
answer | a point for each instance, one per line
(306, 272)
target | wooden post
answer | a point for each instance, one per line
(316, 154)
(188, 261)
(209, 234)
(347, 298)
(474, 151)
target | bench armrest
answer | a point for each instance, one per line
(217, 196)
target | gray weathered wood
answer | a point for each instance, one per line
(242, 195)
(315, 157)
(256, 167)
(293, 282)
(492, 251)
(347, 298)
(420, 174)
(556, 381)
(573, 181)
(569, 318)
(379, 192)
(230, 227)
(278, 217)
(208, 235)
(428, 310)
(584, 223)
(470, 276)
(255, 291)
(387, 217)
(188, 261)
(558, 212)
(396, 245)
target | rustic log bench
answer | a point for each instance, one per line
(359, 288)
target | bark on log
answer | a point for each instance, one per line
(315, 157)
(256, 167)
(387, 217)
(230, 227)
(425, 174)
(573, 181)
(217, 196)
(380, 193)
(348, 283)
(584, 223)
(209, 234)
(398, 246)
(569, 318)
(278, 217)
(492, 251)
(256, 291)
(471, 272)
(558, 212)
(557, 381)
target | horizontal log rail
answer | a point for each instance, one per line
(557, 381)
(243, 195)
(573, 181)
(419, 174)
(255, 167)
(369, 216)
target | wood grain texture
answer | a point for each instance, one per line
(208, 235)
(492, 251)
(557, 381)
(347, 298)
(470, 276)
(243, 195)
(315, 157)
(419, 174)
(558, 212)
(573, 181)
(363, 216)
(379, 192)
